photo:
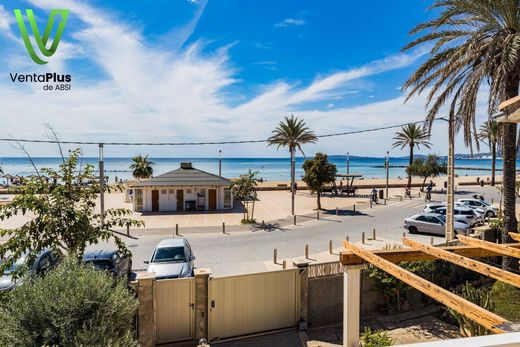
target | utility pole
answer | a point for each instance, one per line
(101, 183)
(293, 168)
(348, 163)
(387, 166)
(451, 180)
(220, 163)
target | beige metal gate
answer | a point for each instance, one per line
(175, 309)
(246, 304)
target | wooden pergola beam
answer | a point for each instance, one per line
(406, 254)
(495, 247)
(515, 236)
(474, 312)
(477, 266)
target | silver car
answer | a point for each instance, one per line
(172, 258)
(488, 209)
(463, 214)
(432, 223)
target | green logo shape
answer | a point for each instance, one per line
(41, 41)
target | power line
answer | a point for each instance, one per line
(202, 143)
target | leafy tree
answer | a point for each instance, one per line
(141, 167)
(473, 43)
(72, 305)
(491, 132)
(431, 167)
(292, 133)
(244, 189)
(318, 172)
(412, 135)
(61, 204)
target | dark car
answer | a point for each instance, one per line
(109, 260)
(45, 260)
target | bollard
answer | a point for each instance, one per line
(370, 203)
(128, 230)
(330, 246)
(354, 208)
(284, 264)
(431, 241)
(401, 198)
(384, 201)
(275, 256)
(223, 227)
(419, 194)
(294, 218)
(347, 238)
(374, 234)
(404, 233)
(177, 229)
(363, 237)
(337, 211)
(318, 215)
(492, 201)
(306, 251)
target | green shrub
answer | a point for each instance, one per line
(479, 296)
(72, 305)
(507, 301)
(375, 338)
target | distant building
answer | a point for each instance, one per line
(183, 189)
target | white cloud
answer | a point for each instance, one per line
(155, 93)
(289, 22)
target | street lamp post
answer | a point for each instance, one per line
(348, 163)
(293, 169)
(101, 183)
(220, 163)
(387, 166)
(451, 181)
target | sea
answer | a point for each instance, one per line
(269, 169)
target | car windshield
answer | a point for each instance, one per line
(169, 254)
(15, 266)
(101, 264)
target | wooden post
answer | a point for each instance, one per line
(374, 234)
(401, 198)
(275, 256)
(318, 215)
(284, 264)
(294, 218)
(337, 211)
(177, 229)
(351, 305)
(223, 227)
(330, 246)
(128, 230)
(431, 241)
(384, 201)
(363, 237)
(347, 238)
(306, 251)
(354, 208)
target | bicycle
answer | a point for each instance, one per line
(428, 197)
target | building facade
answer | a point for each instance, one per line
(183, 189)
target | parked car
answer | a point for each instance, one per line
(45, 261)
(488, 209)
(463, 214)
(429, 208)
(433, 223)
(109, 260)
(172, 258)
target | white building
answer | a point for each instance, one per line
(184, 189)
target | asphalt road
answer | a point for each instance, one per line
(247, 251)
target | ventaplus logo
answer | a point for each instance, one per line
(41, 41)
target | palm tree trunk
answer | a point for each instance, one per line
(509, 178)
(292, 179)
(410, 164)
(493, 162)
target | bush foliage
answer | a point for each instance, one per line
(72, 305)
(375, 338)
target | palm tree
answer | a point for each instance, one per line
(412, 135)
(142, 167)
(292, 133)
(491, 131)
(473, 42)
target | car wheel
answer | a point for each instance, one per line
(490, 214)
(412, 230)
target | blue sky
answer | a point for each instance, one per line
(217, 70)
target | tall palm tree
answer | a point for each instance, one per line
(412, 135)
(142, 167)
(292, 133)
(491, 132)
(471, 43)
